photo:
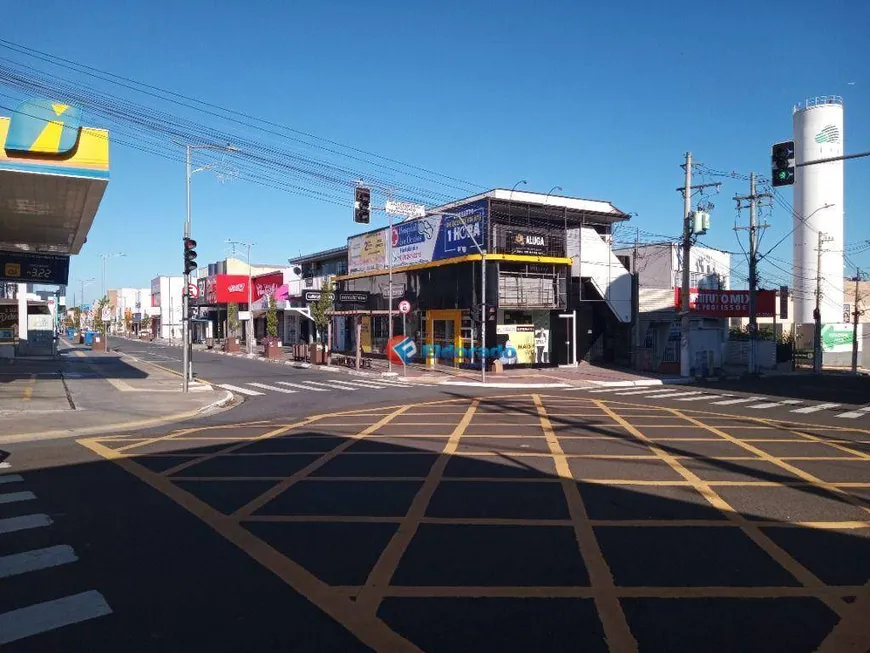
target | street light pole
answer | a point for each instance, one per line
(250, 338)
(105, 257)
(186, 346)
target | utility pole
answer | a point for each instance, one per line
(636, 307)
(685, 362)
(817, 313)
(855, 314)
(753, 199)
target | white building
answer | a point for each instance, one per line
(135, 302)
(657, 336)
(166, 298)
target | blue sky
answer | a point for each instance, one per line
(602, 101)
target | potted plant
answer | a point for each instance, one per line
(271, 344)
(232, 342)
(320, 313)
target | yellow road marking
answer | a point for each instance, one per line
(379, 577)
(559, 591)
(258, 502)
(369, 629)
(616, 629)
(751, 530)
(835, 445)
(852, 634)
(268, 434)
(797, 471)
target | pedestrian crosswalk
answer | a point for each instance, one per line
(31, 619)
(259, 388)
(713, 398)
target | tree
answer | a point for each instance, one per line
(77, 317)
(233, 320)
(272, 319)
(99, 325)
(146, 323)
(321, 306)
(128, 322)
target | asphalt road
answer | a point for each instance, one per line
(270, 390)
(404, 521)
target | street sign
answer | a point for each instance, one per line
(192, 290)
(404, 307)
(106, 314)
(25, 267)
(408, 209)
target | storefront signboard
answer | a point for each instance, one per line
(523, 242)
(727, 303)
(227, 289)
(155, 292)
(268, 284)
(352, 297)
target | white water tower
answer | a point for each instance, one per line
(818, 134)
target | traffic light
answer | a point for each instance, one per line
(362, 201)
(782, 164)
(189, 255)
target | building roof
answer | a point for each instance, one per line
(548, 200)
(319, 256)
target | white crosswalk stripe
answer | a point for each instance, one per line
(702, 397)
(332, 387)
(302, 386)
(360, 384)
(645, 391)
(55, 612)
(815, 409)
(854, 414)
(274, 388)
(20, 563)
(244, 391)
(774, 404)
(732, 402)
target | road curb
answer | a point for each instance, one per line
(59, 434)
(642, 383)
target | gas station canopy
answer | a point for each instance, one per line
(53, 173)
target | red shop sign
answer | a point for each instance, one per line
(728, 303)
(267, 284)
(228, 289)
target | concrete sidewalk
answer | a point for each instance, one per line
(83, 393)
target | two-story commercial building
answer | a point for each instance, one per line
(554, 290)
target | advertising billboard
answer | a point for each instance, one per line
(422, 240)
(367, 252)
(838, 338)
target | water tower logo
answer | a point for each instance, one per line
(828, 134)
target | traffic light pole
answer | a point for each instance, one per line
(185, 301)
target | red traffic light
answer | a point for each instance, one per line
(189, 243)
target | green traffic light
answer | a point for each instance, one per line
(782, 174)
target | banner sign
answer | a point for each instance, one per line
(422, 240)
(839, 337)
(312, 295)
(728, 303)
(367, 252)
(25, 267)
(526, 243)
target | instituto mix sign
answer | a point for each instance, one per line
(728, 303)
